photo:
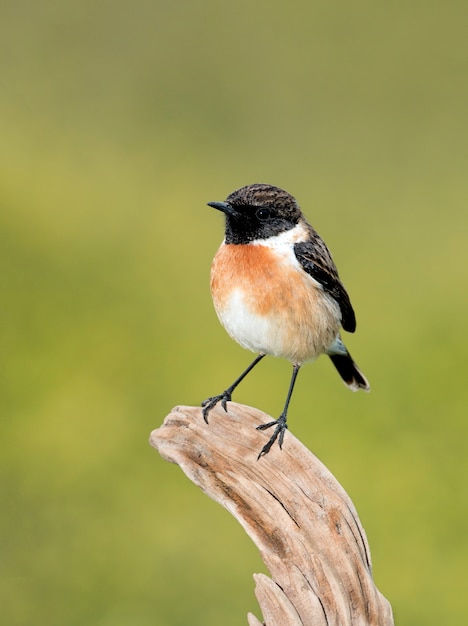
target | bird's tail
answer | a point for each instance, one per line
(349, 372)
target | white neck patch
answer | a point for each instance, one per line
(298, 234)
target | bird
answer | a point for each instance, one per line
(276, 290)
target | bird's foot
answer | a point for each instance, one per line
(280, 428)
(210, 403)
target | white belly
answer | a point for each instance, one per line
(299, 337)
(255, 332)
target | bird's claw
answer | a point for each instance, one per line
(210, 403)
(280, 428)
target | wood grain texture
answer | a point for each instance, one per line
(301, 519)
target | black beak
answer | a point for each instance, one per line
(224, 207)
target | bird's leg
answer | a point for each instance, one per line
(225, 397)
(281, 423)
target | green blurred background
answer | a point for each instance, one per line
(119, 121)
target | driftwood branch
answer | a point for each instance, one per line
(301, 519)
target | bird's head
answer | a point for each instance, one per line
(258, 211)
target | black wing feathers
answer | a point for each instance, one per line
(316, 260)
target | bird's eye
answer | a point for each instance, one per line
(263, 213)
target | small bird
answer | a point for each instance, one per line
(276, 291)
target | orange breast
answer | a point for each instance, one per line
(255, 270)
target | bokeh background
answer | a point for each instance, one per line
(118, 122)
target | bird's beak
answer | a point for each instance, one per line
(225, 207)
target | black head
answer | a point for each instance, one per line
(258, 212)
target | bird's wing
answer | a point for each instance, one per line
(315, 259)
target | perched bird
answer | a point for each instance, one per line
(276, 291)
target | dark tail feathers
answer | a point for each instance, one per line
(349, 372)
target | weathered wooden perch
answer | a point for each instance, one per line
(301, 519)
